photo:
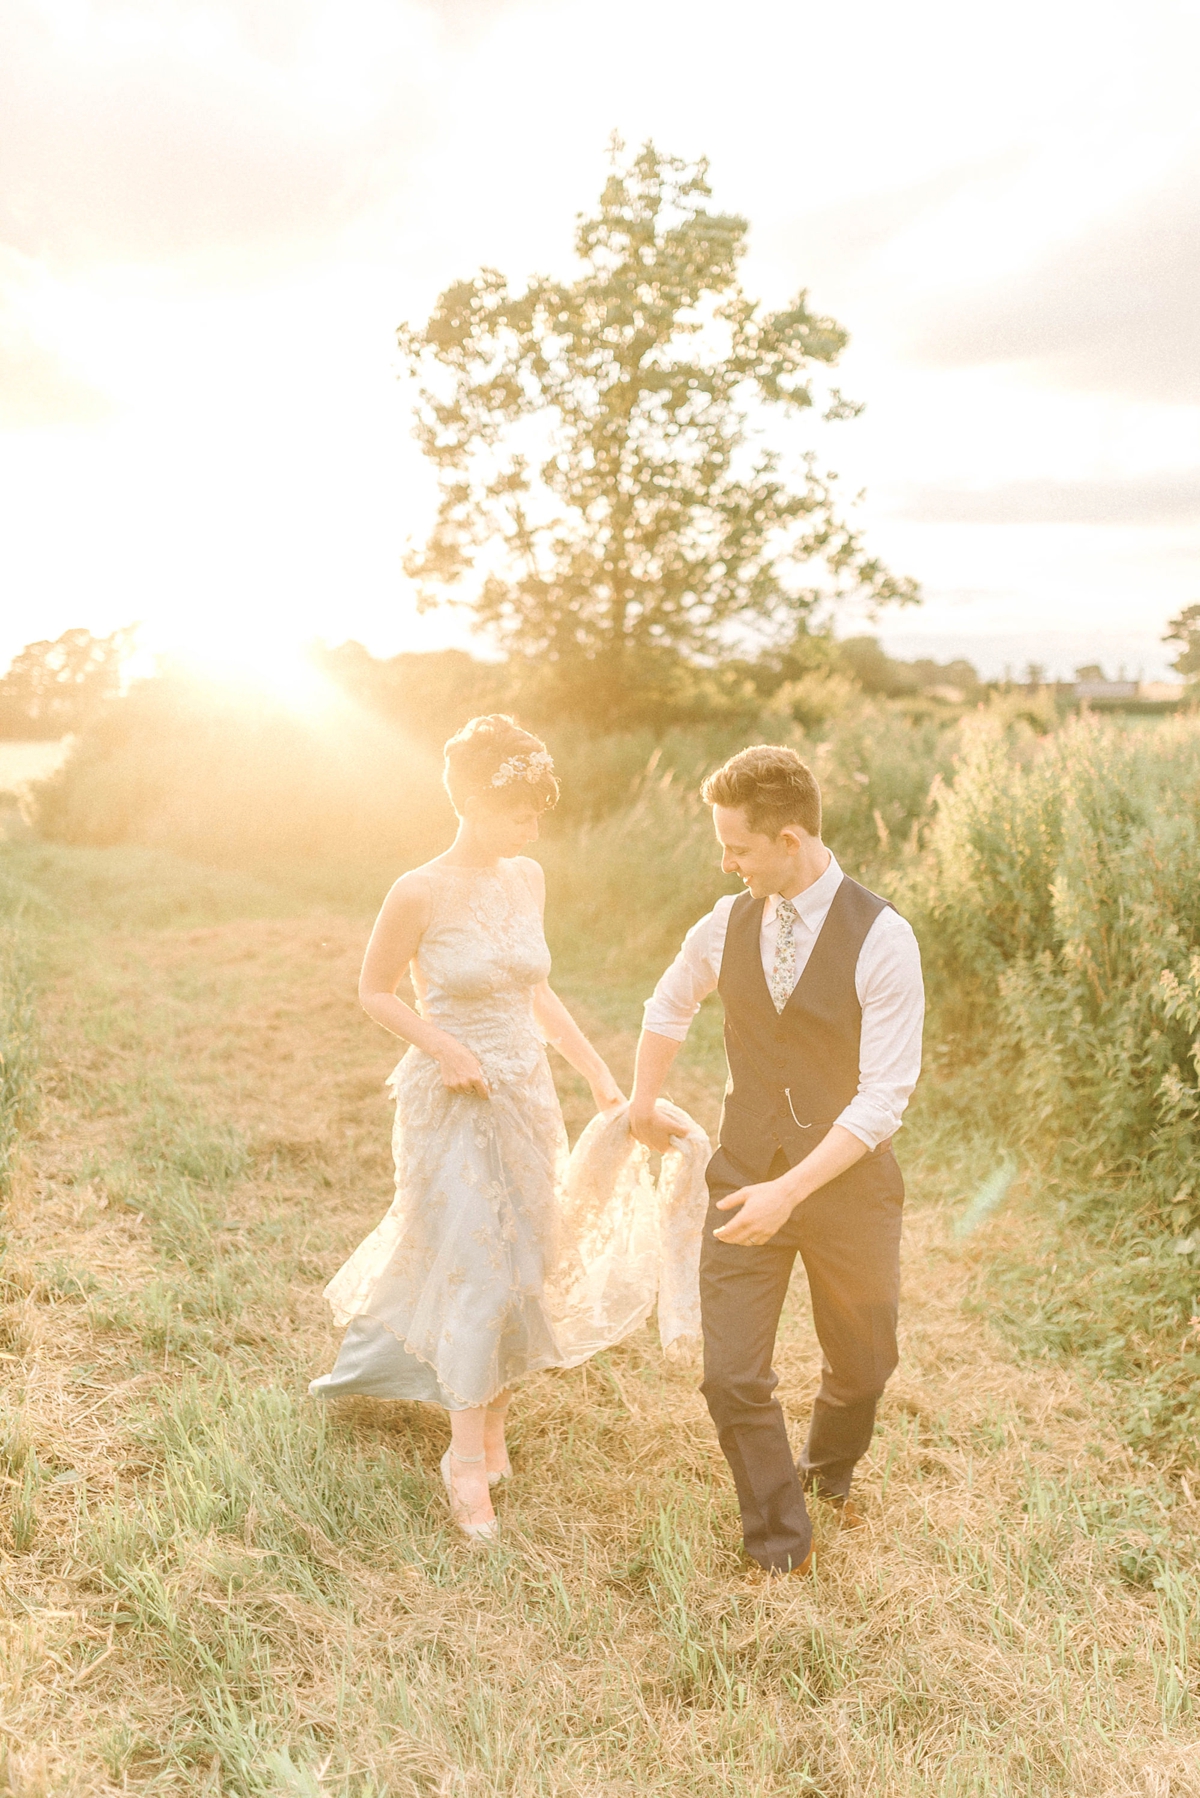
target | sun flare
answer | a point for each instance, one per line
(282, 672)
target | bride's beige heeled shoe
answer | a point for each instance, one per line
(476, 1532)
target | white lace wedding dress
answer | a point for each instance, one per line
(500, 1254)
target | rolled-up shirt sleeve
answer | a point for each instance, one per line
(691, 977)
(892, 995)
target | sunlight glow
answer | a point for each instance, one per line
(261, 667)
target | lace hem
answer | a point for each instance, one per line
(461, 1401)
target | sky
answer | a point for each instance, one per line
(213, 216)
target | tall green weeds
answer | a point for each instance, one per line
(341, 795)
(1058, 902)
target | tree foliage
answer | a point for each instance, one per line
(1184, 629)
(427, 693)
(610, 503)
(52, 689)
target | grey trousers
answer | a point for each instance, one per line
(848, 1237)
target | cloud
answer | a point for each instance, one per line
(1155, 499)
(158, 133)
(1114, 309)
(834, 247)
(468, 16)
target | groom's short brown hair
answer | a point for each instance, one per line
(771, 785)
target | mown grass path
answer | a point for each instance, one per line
(213, 1587)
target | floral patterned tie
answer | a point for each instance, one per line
(783, 975)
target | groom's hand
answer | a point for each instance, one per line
(762, 1210)
(653, 1128)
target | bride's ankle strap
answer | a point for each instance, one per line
(467, 1460)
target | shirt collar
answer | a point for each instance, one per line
(812, 905)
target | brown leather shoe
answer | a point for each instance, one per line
(846, 1513)
(758, 1576)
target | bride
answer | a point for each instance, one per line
(447, 1300)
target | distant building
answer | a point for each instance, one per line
(1106, 689)
(1156, 692)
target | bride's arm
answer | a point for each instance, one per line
(560, 1028)
(402, 922)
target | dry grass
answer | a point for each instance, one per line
(215, 1588)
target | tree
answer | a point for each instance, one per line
(610, 506)
(429, 693)
(1184, 629)
(52, 689)
(873, 669)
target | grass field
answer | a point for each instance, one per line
(213, 1587)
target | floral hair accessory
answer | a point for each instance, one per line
(523, 767)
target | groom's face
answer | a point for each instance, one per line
(764, 863)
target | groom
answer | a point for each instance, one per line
(821, 984)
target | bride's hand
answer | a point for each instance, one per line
(608, 1100)
(461, 1072)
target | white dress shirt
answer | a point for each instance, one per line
(887, 979)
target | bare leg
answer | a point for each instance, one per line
(470, 1499)
(494, 1444)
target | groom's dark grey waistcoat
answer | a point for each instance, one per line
(792, 1073)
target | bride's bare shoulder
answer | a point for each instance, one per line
(414, 880)
(411, 894)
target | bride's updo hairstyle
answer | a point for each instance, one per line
(493, 759)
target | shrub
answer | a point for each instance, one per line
(1058, 901)
(210, 775)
